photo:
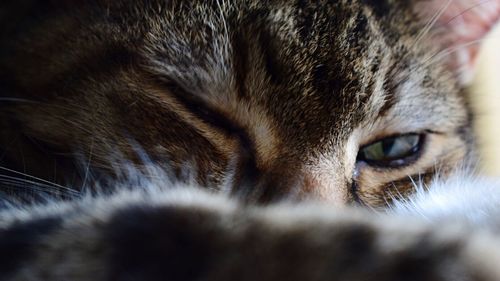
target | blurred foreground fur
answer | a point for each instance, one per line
(450, 233)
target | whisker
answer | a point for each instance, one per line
(87, 168)
(32, 185)
(75, 124)
(392, 197)
(49, 183)
(467, 10)
(438, 56)
(426, 29)
(448, 51)
(433, 59)
(12, 183)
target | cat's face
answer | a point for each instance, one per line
(340, 101)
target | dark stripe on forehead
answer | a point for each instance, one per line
(240, 62)
(390, 97)
(361, 27)
(305, 18)
(278, 72)
(390, 84)
(381, 8)
(21, 242)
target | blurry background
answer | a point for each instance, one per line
(485, 99)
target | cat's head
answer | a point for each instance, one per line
(345, 101)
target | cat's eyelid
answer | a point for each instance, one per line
(435, 132)
(198, 107)
(381, 136)
(402, 162)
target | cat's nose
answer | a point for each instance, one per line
(302, 184)
(292, 177)
(330, 188)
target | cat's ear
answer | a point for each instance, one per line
(458, 27)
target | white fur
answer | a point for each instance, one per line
(462, 198)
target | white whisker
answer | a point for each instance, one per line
(87, 167)
(49, 183)
(426, 29)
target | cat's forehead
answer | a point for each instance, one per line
(310, 74)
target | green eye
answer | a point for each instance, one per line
(393, 151)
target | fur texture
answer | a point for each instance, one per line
(250, 101)
(284, 93)
(185, 234)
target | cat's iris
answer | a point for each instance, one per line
(393, 151)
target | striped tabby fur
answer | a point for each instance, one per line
(119, 105)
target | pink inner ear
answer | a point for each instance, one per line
(460, 27)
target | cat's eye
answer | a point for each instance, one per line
(394, 151)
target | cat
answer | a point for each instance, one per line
(327, 101)
(257, 102)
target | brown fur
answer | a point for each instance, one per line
(192, 235)
(270, 99)
(283, 93)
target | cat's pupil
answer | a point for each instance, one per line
(388, 146)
